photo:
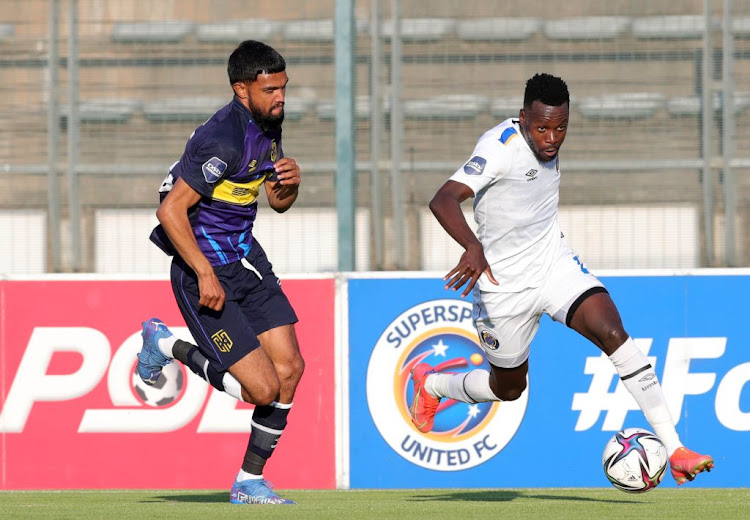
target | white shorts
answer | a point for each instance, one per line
(507, 322)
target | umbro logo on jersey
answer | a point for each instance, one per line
(475, 166)
(531, 174)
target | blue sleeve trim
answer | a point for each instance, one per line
(507, 134)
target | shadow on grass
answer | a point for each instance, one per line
(204, 498)
(507, 496)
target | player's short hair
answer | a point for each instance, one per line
(251, 58)
(547, 89)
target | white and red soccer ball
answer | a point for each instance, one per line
(635, 460)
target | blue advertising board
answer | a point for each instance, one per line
(692, 328)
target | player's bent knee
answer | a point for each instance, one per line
(265, 395)
(510, 393)
(612, 338)
(292, 370)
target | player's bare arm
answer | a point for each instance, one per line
(283, 192)
(173, 216)
(446, 206)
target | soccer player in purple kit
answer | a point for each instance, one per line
(227, 292)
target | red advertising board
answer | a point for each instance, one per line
(71, 416)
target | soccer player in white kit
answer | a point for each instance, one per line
(520, 267)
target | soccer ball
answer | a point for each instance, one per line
(635, 460)
(166, 390)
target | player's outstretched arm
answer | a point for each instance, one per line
(283, 190)
(446, 206)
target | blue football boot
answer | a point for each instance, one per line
(258, 491)
(151, 359)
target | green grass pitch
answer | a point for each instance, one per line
(427, 504)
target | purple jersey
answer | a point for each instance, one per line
(226, 160)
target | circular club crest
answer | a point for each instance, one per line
(441, 333)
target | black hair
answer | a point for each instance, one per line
(251, 58)
(547, 89)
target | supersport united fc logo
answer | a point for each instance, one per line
(441, 333)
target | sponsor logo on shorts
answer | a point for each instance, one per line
(489, 340)
(442, 334)
(475, 166)
(213, 169)
(222, 341)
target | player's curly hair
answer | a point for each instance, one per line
(251, 58)
(547, 89)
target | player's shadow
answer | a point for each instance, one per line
(498, 495)
(205, 497)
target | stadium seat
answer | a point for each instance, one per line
(299, 101)
(630, 105)
(184, 109)
(741, 26)
(326, 109)
(105, 110)
(497, 29)
(669, 27)
(420, 29)
(151, 32)
(6, 31)
(236, 31)
(309, 30)
(691, 105)
(321, 30)
(505, 107)
(450, 106)
(586, 28)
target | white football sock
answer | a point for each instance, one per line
(166, 344)
(471, 387)
(244, 475)
(232, 386)
(639, 378)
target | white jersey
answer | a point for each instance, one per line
(515, 207)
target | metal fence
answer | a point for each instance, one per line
(98, 97)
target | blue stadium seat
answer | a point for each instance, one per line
(629, 105)
(450, 106)
(669, 27)
(236, 31)
(151, 32)
(183, 109)
(6, 31)
(586, 28)
(421, 29)
(497, 29)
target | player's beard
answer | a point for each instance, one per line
(267, 121)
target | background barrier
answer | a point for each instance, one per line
(68, 402)
(554, 435)
(71, 417)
